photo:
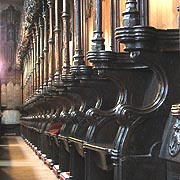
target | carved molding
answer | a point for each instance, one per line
(30, 9)
(175, 110)
(174, 145)
(148, 38)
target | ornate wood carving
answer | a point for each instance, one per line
(131, 15)
(174, 147)
(128, 95)
(31, 7)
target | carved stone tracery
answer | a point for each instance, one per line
(10, 17)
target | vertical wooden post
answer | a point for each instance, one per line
(41, 57)
(178, 9)
(22, 84)
(29, 74)
(78, 56)
(115, 9)
(0, 108)
(144, 12)
(34, 63)
(98, 40)
(46, 68)
(51, 43)
(65, 18)
(37, 57)
(25, 77)
(57, 31)
(32, 72)
(112, 22)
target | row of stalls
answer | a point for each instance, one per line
(104, 115)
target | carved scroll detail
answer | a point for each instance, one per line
(174, 144)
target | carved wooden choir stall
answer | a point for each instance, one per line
(98, 113)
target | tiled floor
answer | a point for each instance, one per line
(18, 161)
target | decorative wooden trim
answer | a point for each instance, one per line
(131, 14)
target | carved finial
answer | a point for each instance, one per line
(131, 14)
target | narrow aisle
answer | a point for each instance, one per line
(18, 161)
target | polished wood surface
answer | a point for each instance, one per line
(168, 9)
(18, 162)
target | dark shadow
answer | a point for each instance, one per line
(10, 129)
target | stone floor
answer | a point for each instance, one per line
(18, 161)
